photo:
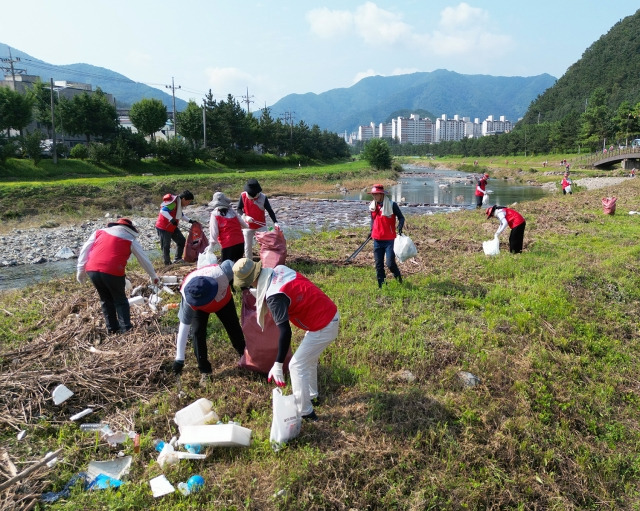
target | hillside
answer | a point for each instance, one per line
(125, 90)
(612, 62)
(439, 92)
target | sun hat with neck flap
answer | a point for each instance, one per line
(220, 200)
(245, 272)
(124, 222)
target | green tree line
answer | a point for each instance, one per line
(217, 130)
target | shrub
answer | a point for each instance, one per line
(32, 144)
(79, 151)
(99, 153)
(175, 151)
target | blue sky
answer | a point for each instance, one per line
(278, 47)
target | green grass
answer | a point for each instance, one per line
(552, 333)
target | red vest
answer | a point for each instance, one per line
(482, 183)
(229, 231)
(309, 309)
(514, 219)
(252, 208)
(384, 227)
(224, 291)
(162, 222)
(109, 254)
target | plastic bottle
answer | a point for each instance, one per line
(184, 488)
(193, 448)
(158, 444)
(197, 413)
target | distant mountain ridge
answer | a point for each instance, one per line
(125, 90)
(374, 98)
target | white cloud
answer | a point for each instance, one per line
(379, 27)
(228, 80)
(462, 16)
(328, 24)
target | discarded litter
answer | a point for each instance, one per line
(94, 426)
(102, 482)
(161, 486)
(229, 435)
(158, 444)
(137, 300)
(60, 394)
(50, 497)
(114, 439)
(167, 289)
(169, 306)
(22, 434)
(115, 469)
(169, 279)
(81, 414)
(197, 413)
(195, 448)
(468, 379)
(52, 461)
(137, 290)
(195, 483)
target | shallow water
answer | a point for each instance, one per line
(420, 190)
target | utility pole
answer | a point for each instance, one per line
(247, 99)
(204, 124)
(173, 93)
(288, 118)
(11, 69)
(53, 127)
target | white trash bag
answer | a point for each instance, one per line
(491, 247)
(404, 248)
(206, 258)
(286, 421)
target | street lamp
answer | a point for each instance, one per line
(626, 143)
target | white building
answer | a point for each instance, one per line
(413, 130)
(493, 127)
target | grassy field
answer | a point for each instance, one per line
(552, 335)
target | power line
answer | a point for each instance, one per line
(11, 68)
(173, 93)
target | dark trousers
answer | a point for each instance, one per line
(479, 201)
(113, 299)
(382, 248)
(516, 238)
(165, 243)
(229, 319)
(233, 253)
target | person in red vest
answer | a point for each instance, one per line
(514, 220)
(481, 189)
(167, 224)
(225, 228)
(566, 184)
(253, 204)
(205, 291)
(384, 213)
(103, 259)
(292, 298)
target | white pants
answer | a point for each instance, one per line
(303, 367)
(248, 240)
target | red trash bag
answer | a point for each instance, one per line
(261, 346)
(197, 243)
(273, 248)
(609, 205)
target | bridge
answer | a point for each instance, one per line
(629, 156)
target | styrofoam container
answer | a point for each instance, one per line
(197, 413)
(137, 300)
(169, 279)
(224, 435)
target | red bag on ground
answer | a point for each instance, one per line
(609, 205)
(197, 243)
(261, 347)
(273, 248)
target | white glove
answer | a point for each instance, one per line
(276, 375)
(212, 246)
(276, 226)
(248, 219)
(496, 236)
(81, 276)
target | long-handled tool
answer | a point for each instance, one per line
(359, 249)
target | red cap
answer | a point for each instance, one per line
(377, 189)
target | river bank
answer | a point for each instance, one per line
(51, 242)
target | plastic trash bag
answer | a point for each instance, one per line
(404, 248)
(609, 205)
(206, 258)
(485, 199)
(196, 243)
(491, 247)
(286, 421)
(273, 248)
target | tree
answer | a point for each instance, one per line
(190, 123)
(378, 154)
(16, 110)
(89, 115)
(148, 116)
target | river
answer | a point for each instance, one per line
(419, 191)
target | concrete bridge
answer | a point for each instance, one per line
(628, 156)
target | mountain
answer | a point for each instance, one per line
(612, 63)
(373, 99)
(125, 90)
